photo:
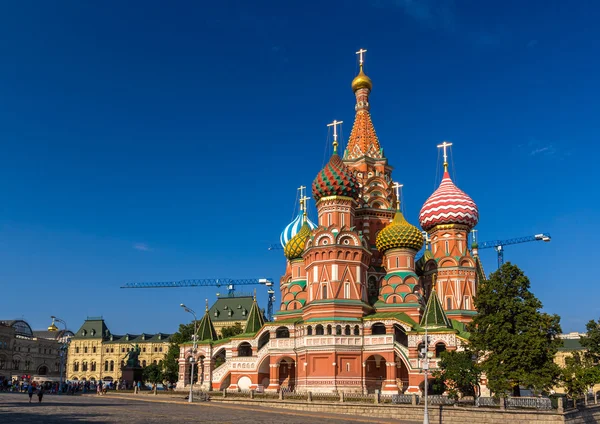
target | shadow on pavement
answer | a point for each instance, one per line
(32, 417)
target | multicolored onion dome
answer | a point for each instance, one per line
(448, 205)
(399, 234)
(361, 81)
(295, 247)
(292, 229)
(335, 180)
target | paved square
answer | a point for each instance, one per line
(15, 408)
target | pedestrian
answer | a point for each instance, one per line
(139, 386)
(40, 394)
(30, 392)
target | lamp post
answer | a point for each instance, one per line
(192, 358)
(63, 349)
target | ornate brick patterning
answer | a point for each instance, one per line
(363, 140)
(448, 205)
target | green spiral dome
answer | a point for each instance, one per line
(295, 247)
(399, 233)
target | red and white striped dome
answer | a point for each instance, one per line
(448, 205)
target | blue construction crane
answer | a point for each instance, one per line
(275, 247)
(217, 282)
(498, 245)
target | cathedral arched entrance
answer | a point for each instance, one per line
(264, 371)
(375, 373)
(287, 373)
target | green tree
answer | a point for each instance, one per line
(591, 341)
(579, 374)
(153, 373)
(232, 330)
(459, 373)
(516, 341)
(171, 361)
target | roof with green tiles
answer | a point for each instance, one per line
(206, 329)
(434, 315)
(255, 319)
(231, 309)
(93, 328)
(139, 338)
(400, 316)
(570, 344)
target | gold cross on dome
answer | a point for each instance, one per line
(334, 124)
(304, 205)
(360, 55)
(301, 189)
(445, 145)
(398, 188)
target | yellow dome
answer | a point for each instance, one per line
(399, 233)
(52, 327)
(295, 247)
(362, 81)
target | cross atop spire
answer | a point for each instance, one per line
(398, 188)
(301, 189)
(445, 145)
(360, 56)
(334, 124)
(206, 309)
(304, 206)
(427, 239)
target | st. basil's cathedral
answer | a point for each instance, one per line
(355, 299)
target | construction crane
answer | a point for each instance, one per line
(498, 245)
(217, 282)
(275, 247)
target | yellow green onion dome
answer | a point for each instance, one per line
(295, 247)
(399, 234)
(335, 180)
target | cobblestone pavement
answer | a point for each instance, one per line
(15, 408)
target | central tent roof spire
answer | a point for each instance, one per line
(363, 140)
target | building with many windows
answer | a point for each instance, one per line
(97, 354)
(27, 354)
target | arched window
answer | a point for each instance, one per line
(105, 365)
(439, 348)
(154, 362)
(356, 330)
(264, 339)
(378, 328)
(93, 366)
(309, 330)
(324, 290)
(144, 363)
(400, 335)
(75, 366)
(338, 330)
(319, 330)
(245, 349)
(347, 330)
(329, 330)
(112, 365)
(282, 333)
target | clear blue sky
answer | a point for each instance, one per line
(153, 142)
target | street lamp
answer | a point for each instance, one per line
(192, 358)
(63, 349)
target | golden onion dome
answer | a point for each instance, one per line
(52, 327)
(295, 247)
(399, 234)
(361, 81)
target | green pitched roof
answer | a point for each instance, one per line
(255, 319)
(231, 309)
(570, 344)
(93, 328)
(434, 314)
(206, 330)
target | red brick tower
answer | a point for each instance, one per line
(364, 156)
(448, 216)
